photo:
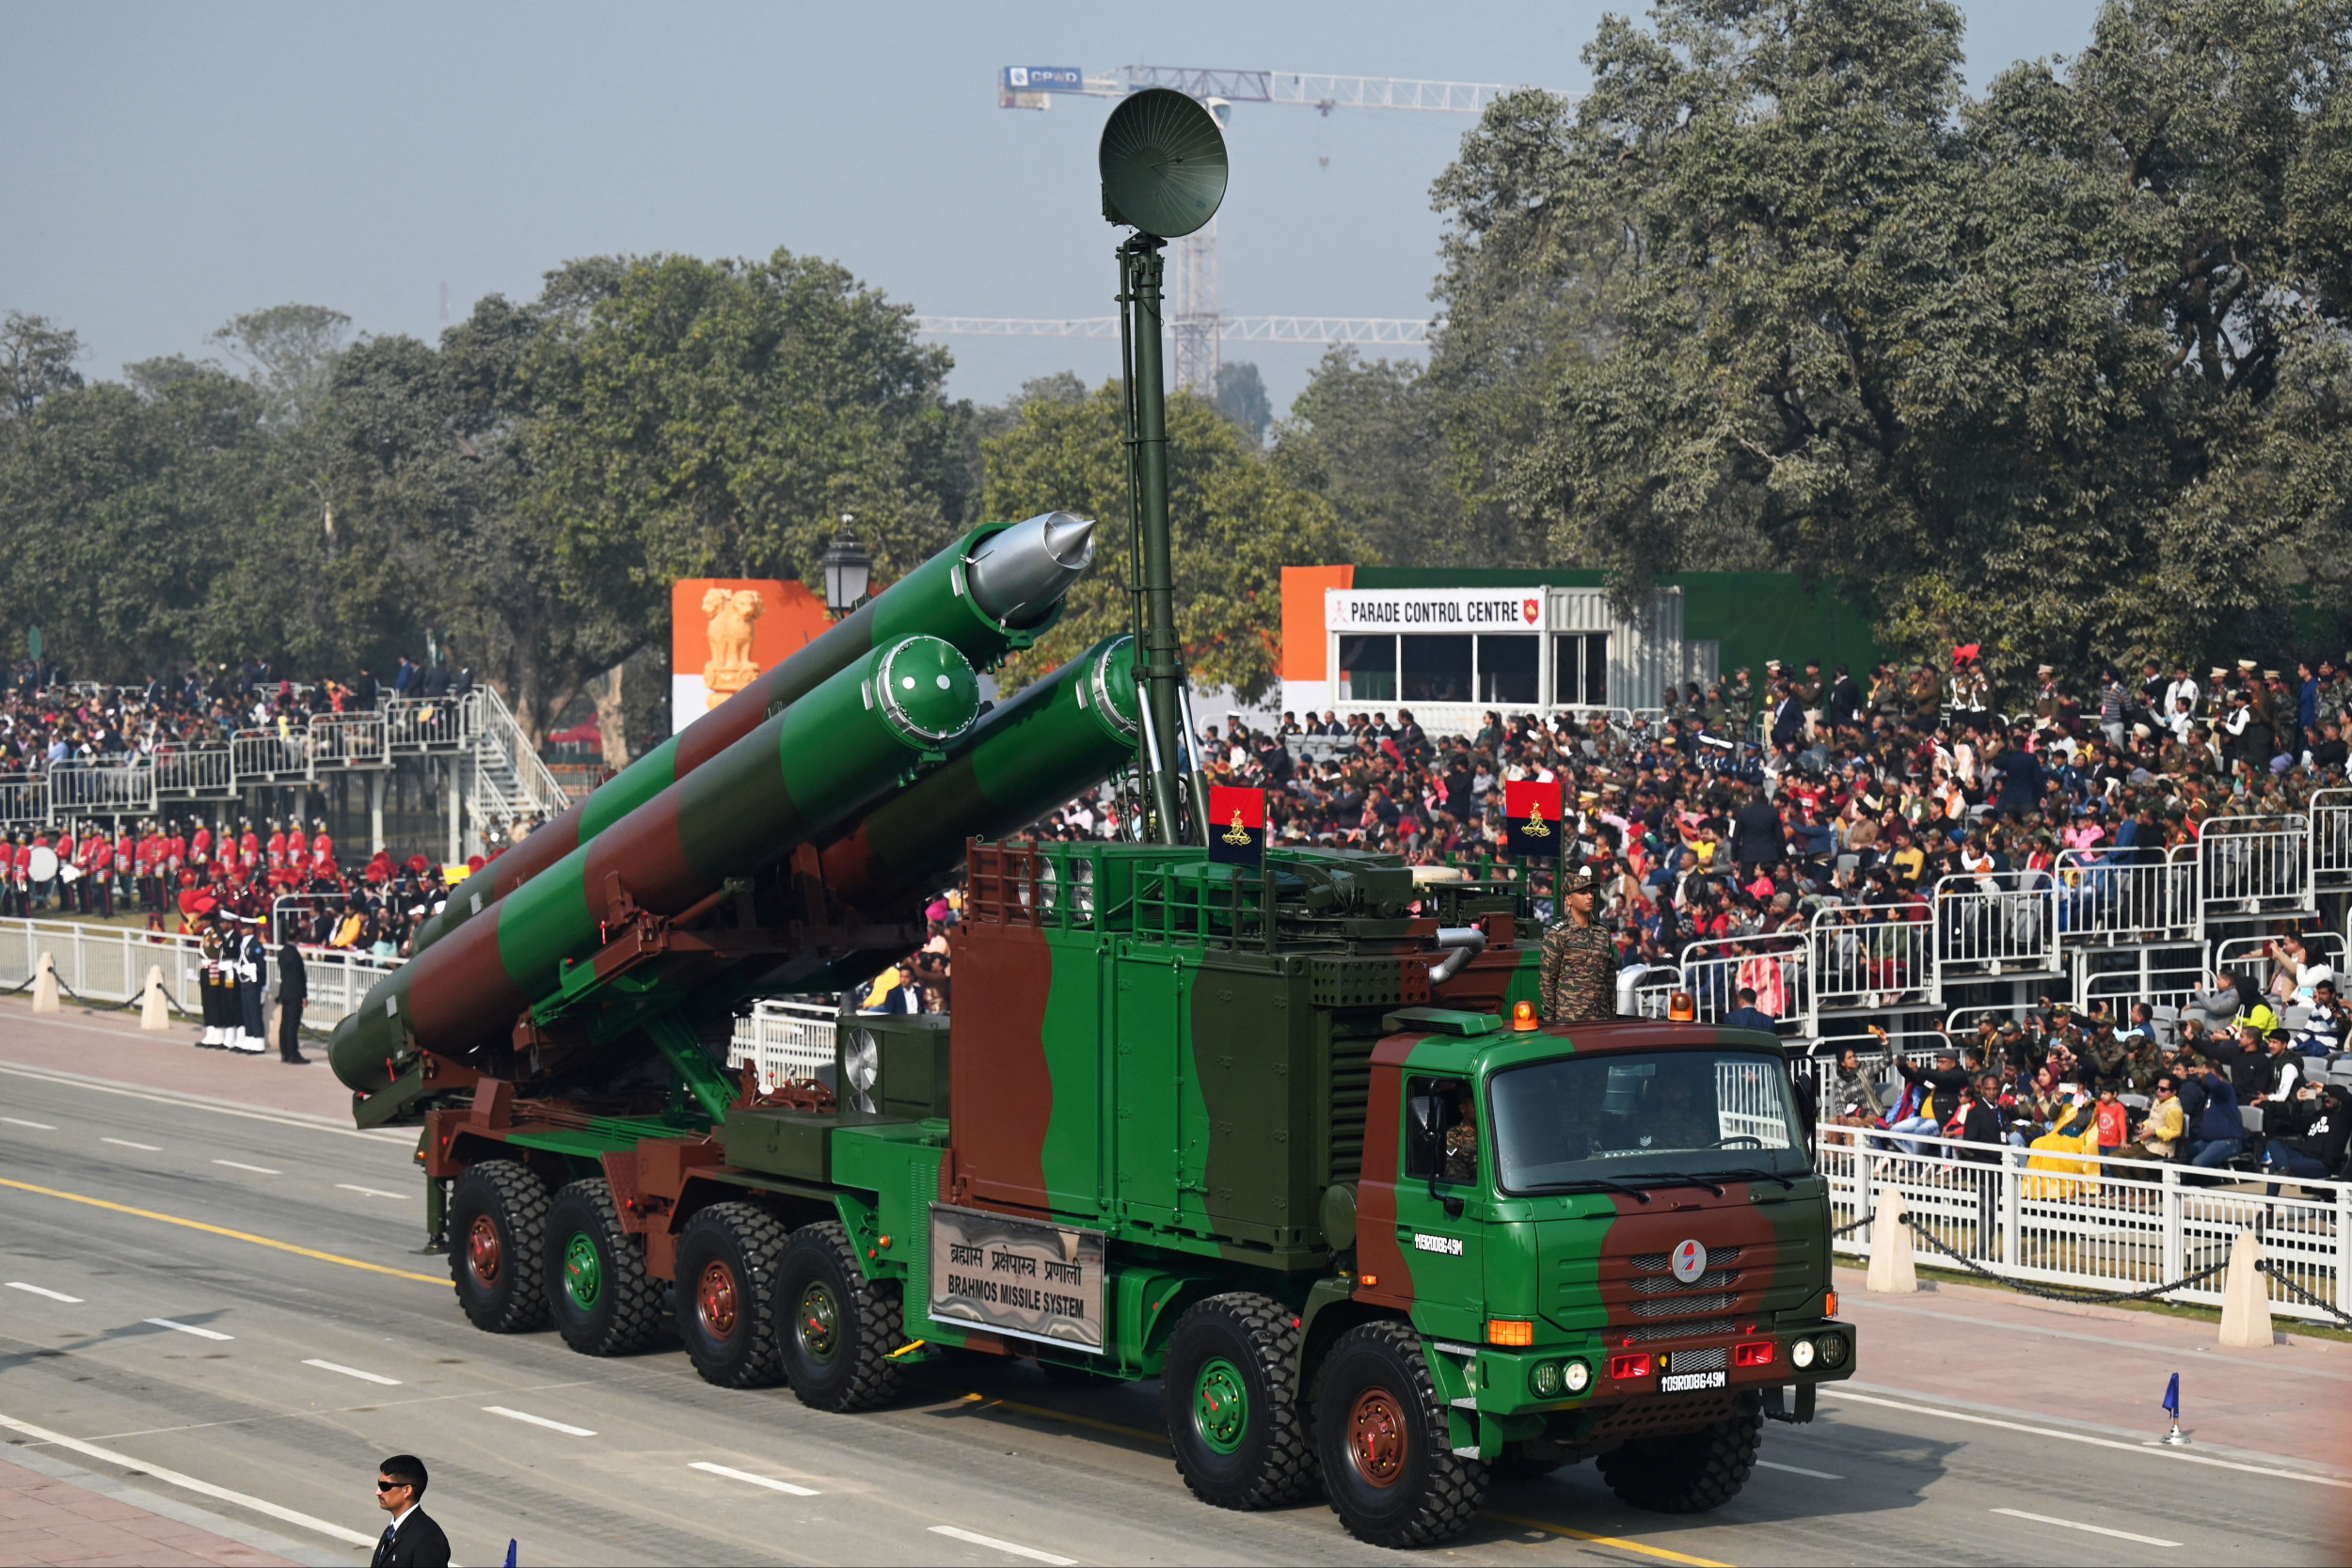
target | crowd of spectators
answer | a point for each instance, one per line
(46, 719)
(1744, 813)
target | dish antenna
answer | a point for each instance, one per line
(1164, 167)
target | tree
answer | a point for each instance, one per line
(1240, 397)
(290, 351)
(1235, 521)
(2059, 369)
(36, 363)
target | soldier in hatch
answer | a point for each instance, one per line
(1579, 977)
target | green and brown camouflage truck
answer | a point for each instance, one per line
(1285, 1140)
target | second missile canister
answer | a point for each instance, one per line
(795, 775)
(991, 591)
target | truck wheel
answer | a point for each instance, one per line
(1689, 1473)
(498, 1224)
(838, 1328)
(726, 1275)
(603, 1301)
(1391, 1474)
(1240, 1438)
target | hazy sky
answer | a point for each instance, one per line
(170, 166)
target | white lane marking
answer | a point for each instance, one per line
(125, 1142)
(771, 1484)
(370, 1192)
(194, 1102)
(2095, 1442)
(189, 1484)
(43, 1291)
(36, 1126)
(354, 1371)
(191, 1329)
(1797, 1470)
(2094, 1529)
(996, 1545)
(257, 1170)
(537, 1420)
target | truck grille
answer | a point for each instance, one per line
(1351, 1094)
(1706, 1358)
(1682, 1306)
(1644, 1335)
(1713, 1279)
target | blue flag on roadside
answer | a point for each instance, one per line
(2172, 1397)
(510, 1545)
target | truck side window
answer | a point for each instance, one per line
(1441, 1127)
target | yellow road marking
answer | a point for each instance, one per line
(224, 1230)
(1618, 1541)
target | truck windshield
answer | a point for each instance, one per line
(1634, 1119)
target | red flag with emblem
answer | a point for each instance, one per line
(1236, 825)
(1531, 818)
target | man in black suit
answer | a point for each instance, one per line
(412, 1540)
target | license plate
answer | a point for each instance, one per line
(1682, 1383)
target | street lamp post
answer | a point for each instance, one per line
(849, 570)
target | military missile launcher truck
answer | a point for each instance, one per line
(1286, 1134)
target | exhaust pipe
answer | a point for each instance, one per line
(1465, 941)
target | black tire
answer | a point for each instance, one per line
(1227, 1397)
(598, 1291)
(838, 1328)
(1690, 1472)
(498, 1230)
(1397, 1483)
(725, 1296)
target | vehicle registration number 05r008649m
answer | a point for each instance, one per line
(1682, 1383)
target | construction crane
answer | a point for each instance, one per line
(1196, 326)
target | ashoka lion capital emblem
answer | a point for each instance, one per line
(732, 611)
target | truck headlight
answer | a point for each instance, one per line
(1801, 1355)
(1577, 1376)
(1833, 1350)
(1545, 1379)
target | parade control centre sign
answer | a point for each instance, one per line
(1433, 609)
(1022, 1277)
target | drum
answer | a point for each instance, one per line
(43, 863)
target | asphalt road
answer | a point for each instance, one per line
(264, 1381)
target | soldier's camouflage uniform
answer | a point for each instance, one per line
(1579, 974)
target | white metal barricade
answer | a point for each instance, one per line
(2331, 839)
(107, 965)
(788, 1040)
(2253, 866)
(95, 788)
(24, 799)
(2061, 1218)
(189, 772)
(2116, 897)
(1867, 963)
(428, 724)
(349, 741)
(1777, 969)
(268, 754)
(1995, 925)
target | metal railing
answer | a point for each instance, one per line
(1779, 969)
(1997, 925)
(109, 965)
(189, 772)
(2253, 866)
(268, 756)
(2130, 895)
(787, 1039)
(101, 788)
(1860, 963)
(2331, 839)
(2059, 1218)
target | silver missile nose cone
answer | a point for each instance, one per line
(1070, 540)
(1017, 575)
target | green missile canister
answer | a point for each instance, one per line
(1050, 744)
(796, 774)
(993, 590)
